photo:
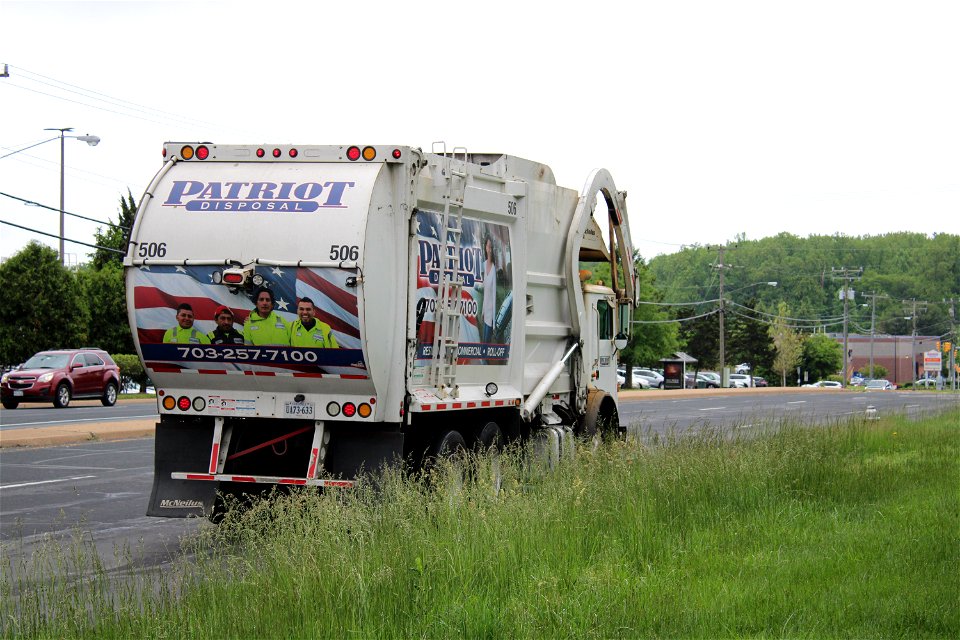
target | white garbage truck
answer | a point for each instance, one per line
(311, 313)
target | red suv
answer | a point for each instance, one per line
(58, 376)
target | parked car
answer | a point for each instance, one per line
(655, 378)
(743, 367)
(738, 380)
(638, 382)
(858, 381)
(760, 381)
(61, 375)
(712, 376)
(825, 384)
(880, 385)
(706, 382)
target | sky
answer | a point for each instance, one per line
(720, 119)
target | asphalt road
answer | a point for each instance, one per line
(78, 412)
(101, 488)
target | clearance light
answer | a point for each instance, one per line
(199, 404)
(164, 152)
(257, 280)
(217, 277)
(183, 402)
(293, 153)
(349, 409)
(276, 153)
(169, 403)
(261, 153)
(333, 409)
(364, 410)
(353, 153)
(233, 278)
(186, 152)
(369, 153)
(202, 153)
(396, 154)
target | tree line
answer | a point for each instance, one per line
(774, 327)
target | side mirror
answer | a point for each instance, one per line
(620, 341)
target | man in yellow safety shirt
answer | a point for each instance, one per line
(263, 326)
(307, 331)
(184, 332)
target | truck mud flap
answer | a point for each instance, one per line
(355, 453)
(181, 447)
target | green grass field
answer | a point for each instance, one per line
(847, 531)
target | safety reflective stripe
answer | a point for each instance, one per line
(452, 406)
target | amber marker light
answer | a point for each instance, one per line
(169, 403)
(369, 153)
(364, 410)
(186, 152)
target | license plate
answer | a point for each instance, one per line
(299, 409)
(18, 393)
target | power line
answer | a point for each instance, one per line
(67, 213)
(53, 235)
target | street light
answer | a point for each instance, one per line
(90, 140)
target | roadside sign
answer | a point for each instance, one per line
(932, 361)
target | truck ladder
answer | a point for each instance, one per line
(446, 333)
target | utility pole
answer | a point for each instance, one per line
(846, 293)
(953, 347)
(721, 266)
(873, 322)
(910, 306)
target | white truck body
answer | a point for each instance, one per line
(362, 238)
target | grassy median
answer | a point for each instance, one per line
(846, 531)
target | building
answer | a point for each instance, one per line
(891, 352)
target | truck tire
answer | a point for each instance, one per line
(449, 446)
(490, 442)
(109, 395)
(601, 419)
(62, 396)
(490, 437)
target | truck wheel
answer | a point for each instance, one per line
(10, 404)
(62, 397)
(449, 448)
(490, 437)
(601, 419)
(489, 444)
(109, 395)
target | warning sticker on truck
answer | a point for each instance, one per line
(485, 269)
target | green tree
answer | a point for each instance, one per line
(103, 289)
(787, 343)
(43, 307)
(115, 237)
(131, 370)
(822, 356)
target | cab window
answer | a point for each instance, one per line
(604, 320)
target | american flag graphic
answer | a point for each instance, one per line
(158, 290)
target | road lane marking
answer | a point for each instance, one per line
(711, 409)
(16, 425)
(30, 484)
(796, 401)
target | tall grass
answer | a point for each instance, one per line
(851, 530)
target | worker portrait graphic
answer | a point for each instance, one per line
(296, 320)
(485, 270)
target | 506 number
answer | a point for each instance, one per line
(343, 252)
(152, 250)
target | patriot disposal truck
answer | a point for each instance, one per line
(450, 311)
